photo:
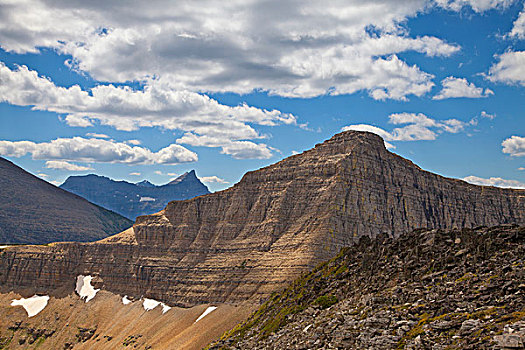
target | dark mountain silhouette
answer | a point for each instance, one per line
(35, 211)
(132, 200)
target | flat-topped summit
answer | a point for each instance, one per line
(253, 238)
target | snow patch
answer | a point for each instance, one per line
(208, 310)
(125, 300)
(3, 246)
(84, 288)
(307, 328)
(150, 304)
(165, 308)
(147, 199)
(32, 305)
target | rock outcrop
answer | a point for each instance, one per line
(132, 200)
(428, 289)
(255, 237)
(33, 211)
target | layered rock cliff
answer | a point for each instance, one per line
(249, 240)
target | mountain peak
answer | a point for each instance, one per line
(187, 176)
(145, 183)
(134, 199)
(345, 141)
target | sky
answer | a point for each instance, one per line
(149, 90)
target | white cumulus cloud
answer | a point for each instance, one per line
(494, 181)
(514, 145)
(210, 179)
(97, 136)
(417, 127)
(290, 48)
(97, 151)
(126, 109)
(237, 149)
(487, 115)
(476, 5)
(518, 29)
(63, 165)
(460, 87)
(509, 69)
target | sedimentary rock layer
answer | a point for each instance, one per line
(249, 240)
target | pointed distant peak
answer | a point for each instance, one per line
(145, 183)
(189, 175)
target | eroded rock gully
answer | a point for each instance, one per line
(255, 237)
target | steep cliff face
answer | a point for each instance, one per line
(249, 240)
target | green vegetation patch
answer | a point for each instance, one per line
(327, 300)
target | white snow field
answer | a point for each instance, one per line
(150, 304)
(125, 300)
(208, 310)
(84, 288)
(165, 308)
(32, 305)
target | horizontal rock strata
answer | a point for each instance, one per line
(249, 240)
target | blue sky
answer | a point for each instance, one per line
(155, 89)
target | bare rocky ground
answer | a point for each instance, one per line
(105, 323)
(430, 289)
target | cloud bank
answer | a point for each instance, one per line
(156, 106)
(460, 87)
(96, 151)
(417, 127)
(494, 181)
(290, 48)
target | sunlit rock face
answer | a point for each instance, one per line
(252, 239)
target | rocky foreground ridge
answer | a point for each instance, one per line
(277, 222)
(429, 289)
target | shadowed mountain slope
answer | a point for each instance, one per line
(131, 200)
(277, 222)
(36, 212)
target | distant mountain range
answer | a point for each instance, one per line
(34, 211)
(134, 199)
